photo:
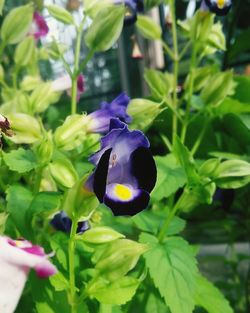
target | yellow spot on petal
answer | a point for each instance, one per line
(123, 192)
(221, 4)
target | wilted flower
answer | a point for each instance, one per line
(17, 257)
(125, 171)
(4, 127)
(98, 121)
(133, 6)
(39, 27)
(62, 222)
(80, 86)
(219, 7)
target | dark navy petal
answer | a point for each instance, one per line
(143, 168)
(219, 7)
(100, 175)
(82, 227)
(115, 123)
(125, 200)
(61, 222)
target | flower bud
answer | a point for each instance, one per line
(63, 173)
(71, 133)
(119, 258)
(44, 150)
(26, 128)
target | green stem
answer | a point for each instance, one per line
(86, 60)
(200, 138)
(168, 50)
(76, 66)
(176, 68)
(190, 91)
(38, 179)
(184, 50)
(168, 220)
(71, 251)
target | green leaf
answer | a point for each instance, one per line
(241, 44)
(99, 235)
(3, 220)
(173, 269)
(43, 202)
(170, 177)
(20, 160)
(230, 105)
(208, 168)
(116, 293)
(242, 91)
(59, 282)
(17, 24)
(105, 28)
(2, 2)
(218, 87)
(18, 202)
(60, 14)
(152, 222)
(148, 27)
(210, 298)
(184, 157)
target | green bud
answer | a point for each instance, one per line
(60, 14)
(25, 51)
(100, 235)
(119, 257)
(71, 133)
(26, 128)
(47, 182)
(143, 112)
(63, 172)
(17, 24)
(30, 82)
(2, 2)
(79, 201)
(42, 96)
(44, 149)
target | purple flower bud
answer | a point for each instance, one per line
(63, 223)
(98, 121)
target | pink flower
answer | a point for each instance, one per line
(80, 86)
(39, 27)
(17, 257)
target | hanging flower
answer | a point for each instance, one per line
(136, 51)
(98, 121)
(125, 171)
(62, 222)
(17, 257)
(219, 7)
(39, 27)
(80, 86)
(133, 7)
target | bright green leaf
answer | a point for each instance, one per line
(148, 27)
(173, 269)
(20, 160)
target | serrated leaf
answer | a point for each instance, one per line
(20, 160)
(173, 269)
(170, 177)
(210, 298)
(18, 202)
(116, 293)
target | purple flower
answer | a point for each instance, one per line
(98, 121)
(39, 27)
(80, 86)
(133, 6)
(125, 171)
(219, 7)
(17, 257)
(62, 222)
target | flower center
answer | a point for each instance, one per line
(123, 192)
(221, 4)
